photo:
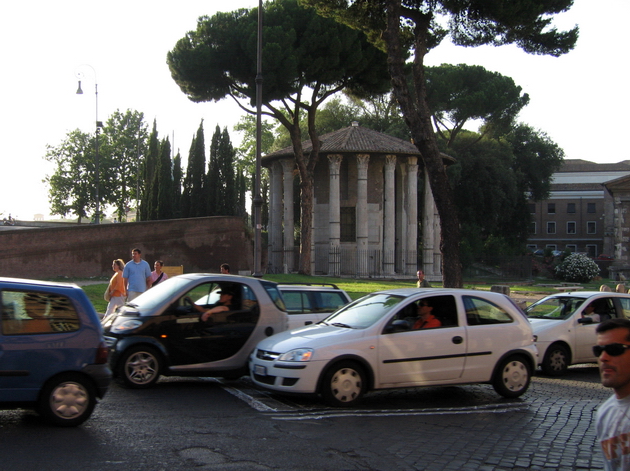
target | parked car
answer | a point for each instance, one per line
(161, 333)
(310, 303)
(371, 344)
(53, 357)
(565, 336)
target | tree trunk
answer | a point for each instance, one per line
(418, 118)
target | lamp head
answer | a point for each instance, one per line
(79, 91)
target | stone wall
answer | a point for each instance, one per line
(199, 244)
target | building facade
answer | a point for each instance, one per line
(373, 216)
(578, 215)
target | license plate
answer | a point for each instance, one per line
(260, 370)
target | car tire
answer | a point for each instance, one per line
(139, 367)
(556, 361)
(512, 376)
(344, 384)
(67, 400)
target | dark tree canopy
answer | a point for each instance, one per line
(305, 59)
(404, 26)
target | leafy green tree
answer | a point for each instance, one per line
(177, 185)
(73, 183)
(164, 183)
(417, 26)
(194, 202)
(148, 205)
(306, 59)
(123, 149)
(461, 93)
(213, 178)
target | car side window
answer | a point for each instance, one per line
(625, 306)
(29, 312)
(482, 312)
(296, 302)
(331, 301)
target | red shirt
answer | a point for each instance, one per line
(431, 322)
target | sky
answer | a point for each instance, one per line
(578, 99)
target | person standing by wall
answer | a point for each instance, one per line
(225, 269)
(116, 287)
(136, 275)
(613, 416)
(157, 275)
(422, 283)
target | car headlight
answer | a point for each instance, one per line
(126, 326)
(299, 354)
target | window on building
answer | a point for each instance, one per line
(551, 208)
(571, 208)
(591, 227)
(532, 228)
(591, 250)
(532, 247)
(551, 247)
(571, 227)
(551, 227)
(590, 207)
(572, 248)
(532, 208)
(348, 224)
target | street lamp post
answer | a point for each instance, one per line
(257, 197)
(99, 125)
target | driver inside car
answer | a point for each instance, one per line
(224, 305)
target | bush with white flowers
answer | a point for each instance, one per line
(577, 267)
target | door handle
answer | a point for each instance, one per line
(457, 340)
(308, 322)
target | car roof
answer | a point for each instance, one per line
(223, 278)
(50, 284)
(587, 294)
(409, 292)
(308, 287)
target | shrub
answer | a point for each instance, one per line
(577, 267)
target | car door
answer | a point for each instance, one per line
(192, 341)
(585, 336)
(421, 357)
(37, 340)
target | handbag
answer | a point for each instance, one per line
(107, 295)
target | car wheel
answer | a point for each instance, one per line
(512, 377)
(67, 400)
(556, 361)
(139, 367)
(343, 384)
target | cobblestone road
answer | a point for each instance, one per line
(470, 428)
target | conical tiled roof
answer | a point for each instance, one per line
(355, 139)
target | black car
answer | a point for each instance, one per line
(161, 331)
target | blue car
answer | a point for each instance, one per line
(53, 357)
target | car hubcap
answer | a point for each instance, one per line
(557, 361)
(69, 400)
(515, 376)
(346, 385)
(141, 367)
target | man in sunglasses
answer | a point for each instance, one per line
(613, 416)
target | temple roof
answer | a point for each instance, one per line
(355, 139)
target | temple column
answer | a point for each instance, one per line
(411, 258)
(389, 216)
(288, 166)
(334, 217)
(362, 214)
(275, 218)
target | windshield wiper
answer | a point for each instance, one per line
(341, 324)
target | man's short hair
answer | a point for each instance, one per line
(225, 266)
(614, 324)
(137, 250)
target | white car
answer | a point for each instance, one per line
(310, 303)
(482, 337)
(565, 333)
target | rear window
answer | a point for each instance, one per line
(305, 302)
(482, 312)
(30, 312)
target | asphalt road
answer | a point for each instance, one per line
(205, 424)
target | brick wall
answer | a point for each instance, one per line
(200, 244)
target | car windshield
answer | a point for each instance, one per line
(159, 293)
(554, 308)
(364, 312)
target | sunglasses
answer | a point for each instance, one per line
(612, 349)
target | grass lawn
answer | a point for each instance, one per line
(358, 288)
